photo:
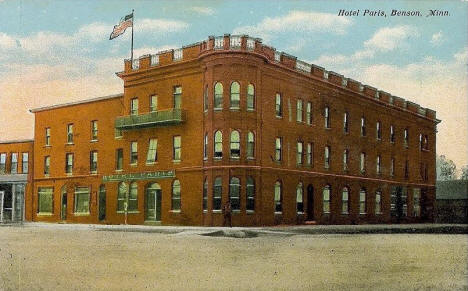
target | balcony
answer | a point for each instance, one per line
(153, 119)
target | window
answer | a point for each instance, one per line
(345, 159)
(117, 133)
(377, 164)
(234, 193)
(378, 131)
(218, 145)
(235, 95)
(327, 157)
(278, 149)
(205, 147)
(178, 54)
(70, 133)
(309, 157)
(218, 96)
(425, 143)
(217, 193)
(278, 197)
(175, 200)
(363, 126)
(406, 169)
(250, 97)
(152, 155)
(133, 153)
(299, 152)
(309, 113)
(46, 165)
(94, 130)
(326, 199)
(392, 167)
(133, 197)
(346, 122)
(299, 110)
(362, 164)
(345, 200)
(122, 197)
(416, 202)
(82, 200)
(299, 198)
(153, 103)
(378, 202)
(278, 105)
(250, 145)
(69, 163)
(119, 159)
(134, 106)
(362, 201)
(205, 99)
(235, 144)
(2, 163)
(250, 203)
(406, 137)
(93, 161)
(14, 163)
(47, 136)
(205, 195)
(25, 163)
(392, 134)
(177, 148)
(177, 97)
(45, 200)
(326, 115)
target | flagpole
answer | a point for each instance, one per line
(133, 25)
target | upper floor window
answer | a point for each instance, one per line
(177, 97)
(47, 136)
(134, 106)
(299, 110)
(176, 198)
(205, 98)
(217, 193)
(46, 165)
(235, 95)
(94, 130)
(235, 144)
(345, 159)
(309, 113)
(363, 126)
(346, 122)
(2, 163)
(299, 152)
(234, 193)
(250, 145)
(69, 163)
(362, 164)
(152, 155)
(119, 159)
(218, 96)
(406, 137)
(278, 105)
(250, 189)
(177, 148)
(378, 130)
(205, 147)
(345, 200)
(250, 97)
(14, 163)
(326, 114)
(278, 197)
(392, 167)
(362, 201)
(218, 144)
(392, 134)
(377, 164)
(299, 198)
(70, 133)
(178, 54)
(310, 156)
(406, 169)
(327, 157)
(25, 163)
(153, 103)
(93, 161)
(326, 198)
(133, 153)
(278, 149)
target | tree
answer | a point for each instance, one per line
(464, 173)
(445, 169)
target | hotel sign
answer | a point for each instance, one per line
(139, 176)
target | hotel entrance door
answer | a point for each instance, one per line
(153, 202)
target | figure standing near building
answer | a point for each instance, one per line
(227, 214)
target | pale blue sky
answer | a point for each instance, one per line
(60, 49)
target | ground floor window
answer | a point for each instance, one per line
(217, 193)
(250, 188)
(205, 195)
(175, 205)
(362, 201)
(416, 202)
(82, 200)
(299, 198)
(378, 202)
(45, 200)
(345, 201)
(234, 193)
(278, 197)
(326, 199)
(122, 197)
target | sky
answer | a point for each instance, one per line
(59, 51)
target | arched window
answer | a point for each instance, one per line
(205, 195)
(327, 157)
(326, 199)
(122, 196)
(299, 198)
(378, 202)
(175, 205)
(250, 194)
(133, 197)
(235, 144)
(235, 95)
(250, 145)
(278, 197)
(218, 96)
(234, 193)
(345, 201)
(218, 144)
(217, 193)
(362, 201)
(250, 97)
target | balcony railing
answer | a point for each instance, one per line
(152, 119)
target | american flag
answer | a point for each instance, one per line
(120, 28)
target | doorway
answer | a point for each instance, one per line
(102, 203)
(153, 202)
(63, 209)
(310, 202)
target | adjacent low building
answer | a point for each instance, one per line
(452, 201)
(231, 119)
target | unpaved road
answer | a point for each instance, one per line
(38, 258)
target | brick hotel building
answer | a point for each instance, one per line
(230, 118)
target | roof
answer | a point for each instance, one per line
(16, 141)
(45, 108)
(453, 190)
